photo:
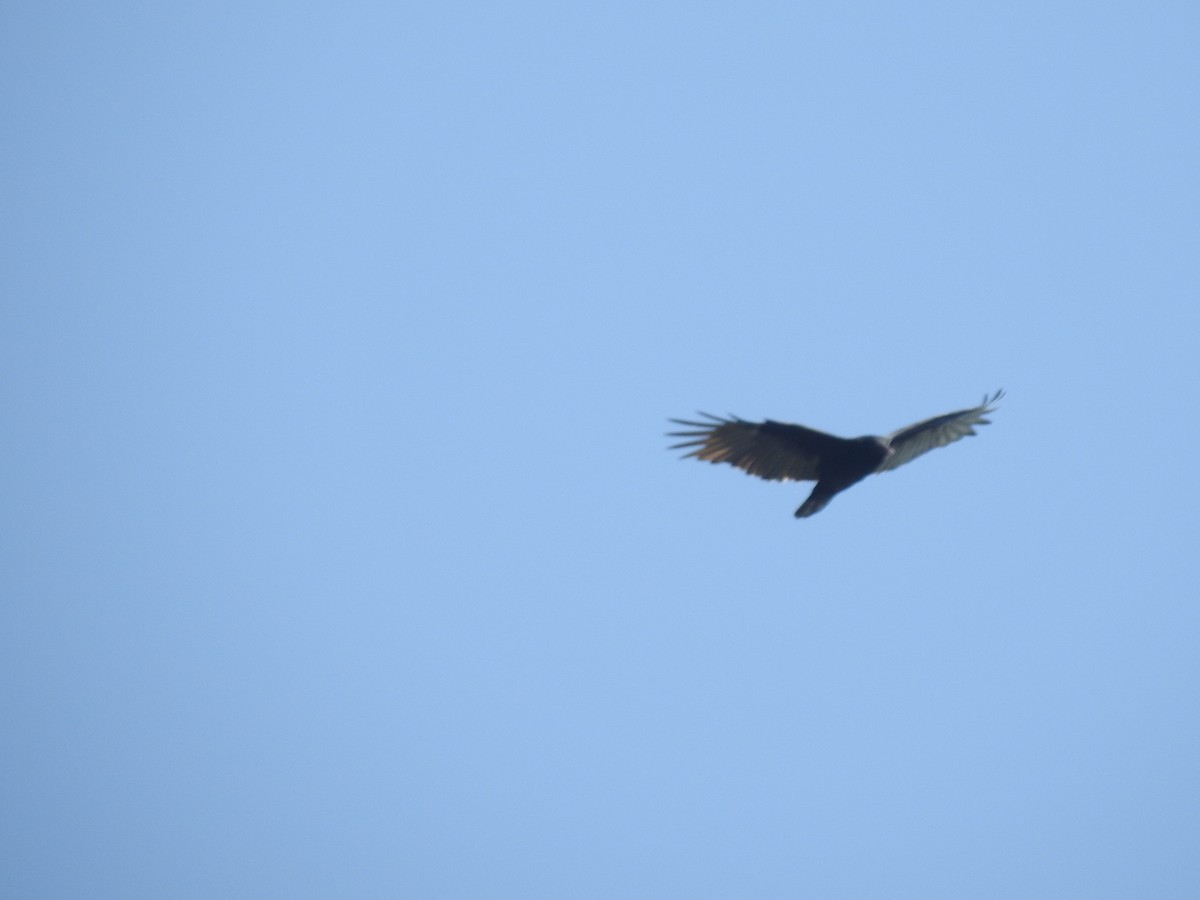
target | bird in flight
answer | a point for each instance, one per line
(777, 451)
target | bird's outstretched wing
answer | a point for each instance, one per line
(771, 450)
(909, 443)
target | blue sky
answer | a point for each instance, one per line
(342, 555)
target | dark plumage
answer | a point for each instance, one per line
(780, 452)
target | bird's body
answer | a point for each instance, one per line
(778, 451)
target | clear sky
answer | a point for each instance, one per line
(341, 552)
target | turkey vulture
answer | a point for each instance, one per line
(777, 451)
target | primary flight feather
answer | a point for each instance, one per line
(777, 451)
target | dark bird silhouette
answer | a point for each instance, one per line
(777, 451)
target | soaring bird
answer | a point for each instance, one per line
(777, 451)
